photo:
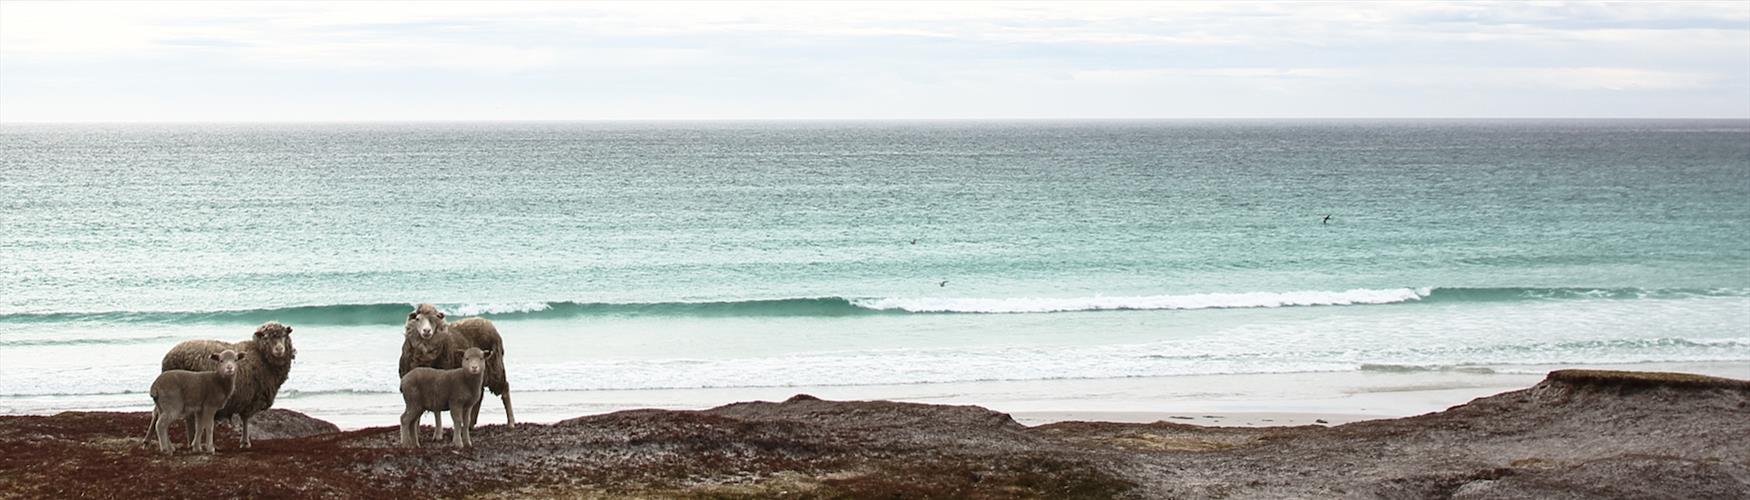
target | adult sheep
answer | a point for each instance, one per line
(427, 340)
(267, 361)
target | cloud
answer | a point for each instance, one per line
(242, 60)
(1129, 76)
(1600, 78)
(1560, 78)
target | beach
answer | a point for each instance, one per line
(1254, 400)
(1645, 434)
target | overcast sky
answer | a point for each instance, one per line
(138, 61)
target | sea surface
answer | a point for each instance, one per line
(678, 255)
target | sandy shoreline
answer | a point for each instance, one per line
(1220, 400)
(1224, 419)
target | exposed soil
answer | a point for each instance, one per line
(1577, 434)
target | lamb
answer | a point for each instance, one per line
(458, 390)
(259, 374)
(195, 397)
(429, 342)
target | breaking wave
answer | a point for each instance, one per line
(392, 313)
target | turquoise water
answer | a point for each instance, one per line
(679, 255)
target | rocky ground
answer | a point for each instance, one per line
(1577, 434)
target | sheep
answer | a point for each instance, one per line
(259, 375)
(195, 397)
(429, 342)
(458, 390)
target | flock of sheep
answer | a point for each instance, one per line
(444, 367)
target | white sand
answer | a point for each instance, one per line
(1231, 400)
(1225, 418)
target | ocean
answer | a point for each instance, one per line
(651, 256)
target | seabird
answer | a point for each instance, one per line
(943, 283)
(1327, 220)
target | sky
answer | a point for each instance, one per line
(402, 61)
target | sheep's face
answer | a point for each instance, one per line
(474, 360)
(425, 321)
(275, 340)
(227, 362)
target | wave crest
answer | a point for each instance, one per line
(393, 313)
(1155, 302)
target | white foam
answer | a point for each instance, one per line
(478, 309)
(729, 353)
(1153, 302)
(1725, 342)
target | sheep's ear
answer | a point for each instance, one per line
(486, 353)
(413, 315)
(440, 315)
(240, 356)
(259, 333)
(213, 356)
(288, 330)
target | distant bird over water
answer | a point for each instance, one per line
(914, 241)
(1327, 219)
(944, 283)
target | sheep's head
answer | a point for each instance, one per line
(227, 362)
(274, 340)
(474, 359)
(425, 321)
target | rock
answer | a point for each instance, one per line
(278, 423)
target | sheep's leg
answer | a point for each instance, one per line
(459, 415)
(437, 433)
(410, 427)
(474, 410)
(509, 418)
(194, 437)
(206, 429)
(163, 427)
(152, 428)
(468, 437)
(212, 429)
(244, 428)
